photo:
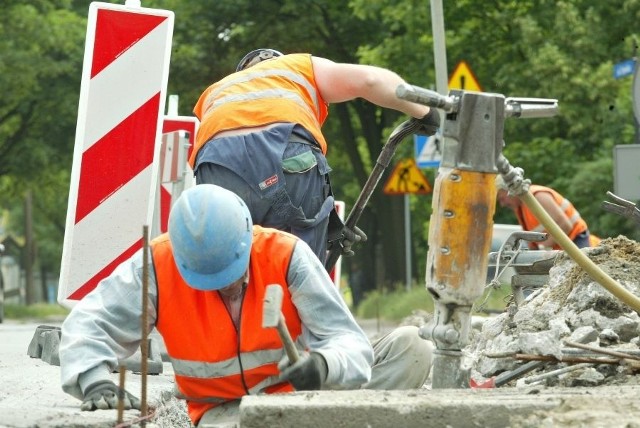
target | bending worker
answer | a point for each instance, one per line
(260, 137)
(206, 293)
(557, 206)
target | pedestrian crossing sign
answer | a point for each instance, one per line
(428, 153)
(407, 178)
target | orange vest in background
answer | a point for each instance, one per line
(212, 361)
(278, 90)
(529, 222)
(594, 240)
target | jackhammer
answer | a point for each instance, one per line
(463, 206)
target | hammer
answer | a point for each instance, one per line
(272, 317)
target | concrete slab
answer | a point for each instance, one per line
(508, 407)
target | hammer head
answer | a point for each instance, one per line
(272, 306)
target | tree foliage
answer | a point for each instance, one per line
(527, 48)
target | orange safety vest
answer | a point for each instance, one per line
(279, 90)
(213, 363)
(529, 222)
(594, 240)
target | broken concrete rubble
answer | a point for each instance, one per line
(572, 305)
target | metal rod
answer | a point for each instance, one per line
(427, 97)
(601, 350)
(530, 107)
(506, 377)
(122, 369)
(595, 360)
(144, 348)
(558, 372)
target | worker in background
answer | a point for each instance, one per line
(210, 271)
(260, 136)
(557, 206)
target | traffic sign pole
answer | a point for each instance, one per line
(407, 241)
(636, 98)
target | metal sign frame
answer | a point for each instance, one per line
(626, 174)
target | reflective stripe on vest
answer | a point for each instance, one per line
(231, 366)
(270, 93)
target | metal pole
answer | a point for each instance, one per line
(29, 246)
(407, 240)
(635, 91)
(144, 344)
(439, 47)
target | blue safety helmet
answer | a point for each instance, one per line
(210, 229)
(256, 56)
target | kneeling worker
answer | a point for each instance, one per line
(206, 293)
(560, 209)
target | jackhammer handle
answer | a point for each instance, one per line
(530, 107)
(406, 128)
(426, 97)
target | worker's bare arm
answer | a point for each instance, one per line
(344, 82)
(555, 212)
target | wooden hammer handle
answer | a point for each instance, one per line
(287, 341)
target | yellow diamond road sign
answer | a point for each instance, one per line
(463, 78)
(407, 178)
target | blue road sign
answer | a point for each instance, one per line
(624, 68)
(427, 151)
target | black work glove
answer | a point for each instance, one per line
(429, 123)
(103, 395)
(350, 237)
(308, 374)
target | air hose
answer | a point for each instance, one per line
(577, 255)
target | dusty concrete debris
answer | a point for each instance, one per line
(171, 412)
(571, 305)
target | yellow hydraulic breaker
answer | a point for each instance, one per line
(462, 214)
(460, 234)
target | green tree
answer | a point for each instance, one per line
(41, 49)
(532, 48)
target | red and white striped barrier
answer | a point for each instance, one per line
(114, 172)
(175, 172)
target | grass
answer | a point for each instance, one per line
(391, 306)
(37, 310)
(398, 304)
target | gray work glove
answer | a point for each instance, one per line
(350, 237)
(103, 395)
(429, 123)
(308, 374)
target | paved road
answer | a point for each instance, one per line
(30, 392)
(31, 397)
